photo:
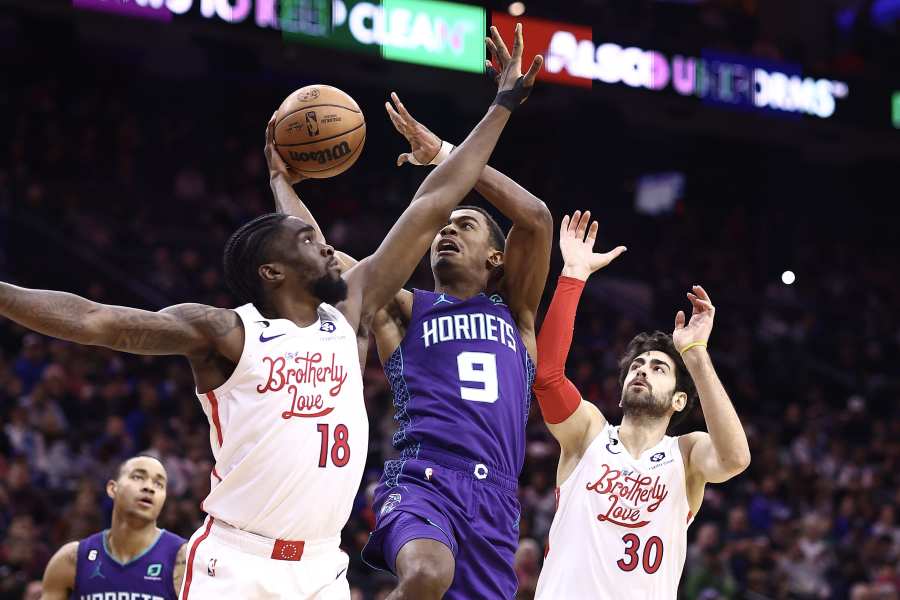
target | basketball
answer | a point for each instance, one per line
(319, 131)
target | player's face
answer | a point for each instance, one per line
(140, 490)
(649, 385)
(311, 261)
(463, 242)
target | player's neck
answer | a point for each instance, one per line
(303, 311)
(461, 288)
(638, 434)
(128, 538)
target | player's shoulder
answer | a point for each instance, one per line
(63, 564)
(687, 442)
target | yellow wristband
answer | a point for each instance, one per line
(689, 346)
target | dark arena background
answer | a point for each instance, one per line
(752, 146)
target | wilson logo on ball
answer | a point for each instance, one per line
(323, 156)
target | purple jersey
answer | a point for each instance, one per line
(462, 382)
(98, 576)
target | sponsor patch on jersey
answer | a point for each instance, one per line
(327, 327)
(658, 456)
(153, 572)
(390, 504)
(92, 555)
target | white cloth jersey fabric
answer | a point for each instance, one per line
(620, 529)
(288, 429)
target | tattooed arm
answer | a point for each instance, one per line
(191, 330)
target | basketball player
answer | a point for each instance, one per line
(626, 495)
(279, 378)
(460, 361)
(134, 557)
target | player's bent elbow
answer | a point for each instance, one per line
(737, 464)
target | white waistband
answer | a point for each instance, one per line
(262, 546)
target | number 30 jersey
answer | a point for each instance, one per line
(620, 529)
(462, 380)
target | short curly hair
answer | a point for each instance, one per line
(662, 342)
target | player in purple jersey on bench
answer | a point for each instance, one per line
(460, 361)
(133, 559)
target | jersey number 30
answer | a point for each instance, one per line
(479, 368)
(650, 558)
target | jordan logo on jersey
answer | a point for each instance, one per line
(302, 383)
(629, 494)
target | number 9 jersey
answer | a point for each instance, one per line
(462, 381)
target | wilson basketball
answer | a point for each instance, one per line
(319, 131)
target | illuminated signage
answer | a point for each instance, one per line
(439, 34)
(895, 110)
(539, 35)
(572, 57)
(130, 8)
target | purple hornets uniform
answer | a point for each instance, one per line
(462, 388)
(98, 576)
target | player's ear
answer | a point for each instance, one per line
(495, 259)
(271, 272)
(679, 401)
(111, 489)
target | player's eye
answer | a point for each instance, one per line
(468, 226)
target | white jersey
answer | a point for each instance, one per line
(289, 430)
(620, 529)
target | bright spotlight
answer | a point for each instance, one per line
(517, 9)
(788, 277)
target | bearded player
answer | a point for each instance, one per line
(134, 557)
(279, 379)
(627, 494)
(460, 361)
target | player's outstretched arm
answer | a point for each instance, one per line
(722, 453)
(378, 277)
(572, 421)
(527, 257)
(191, 330)
(59, 576)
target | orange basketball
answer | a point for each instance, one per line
(319, 131)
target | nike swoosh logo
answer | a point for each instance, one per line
(264, 339)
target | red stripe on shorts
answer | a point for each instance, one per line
(214, 404)
(190, 563)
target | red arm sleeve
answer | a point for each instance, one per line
(556, 395)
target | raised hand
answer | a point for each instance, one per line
(277, 166)
(699, 328)
(423, 144)
(512, 88)
(577, 249)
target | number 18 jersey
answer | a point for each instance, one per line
(462, 380)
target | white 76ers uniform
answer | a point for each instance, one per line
(289, 434)
(620, 529)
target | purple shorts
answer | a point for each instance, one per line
(469, 507)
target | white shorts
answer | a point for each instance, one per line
(224, 562)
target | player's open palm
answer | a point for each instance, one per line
(423, 144)
(576, 242)
(509, 74)
(698, 329)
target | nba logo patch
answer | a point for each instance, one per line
(327, 327)
(211, 567)
(92, 555)
(390, 504)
